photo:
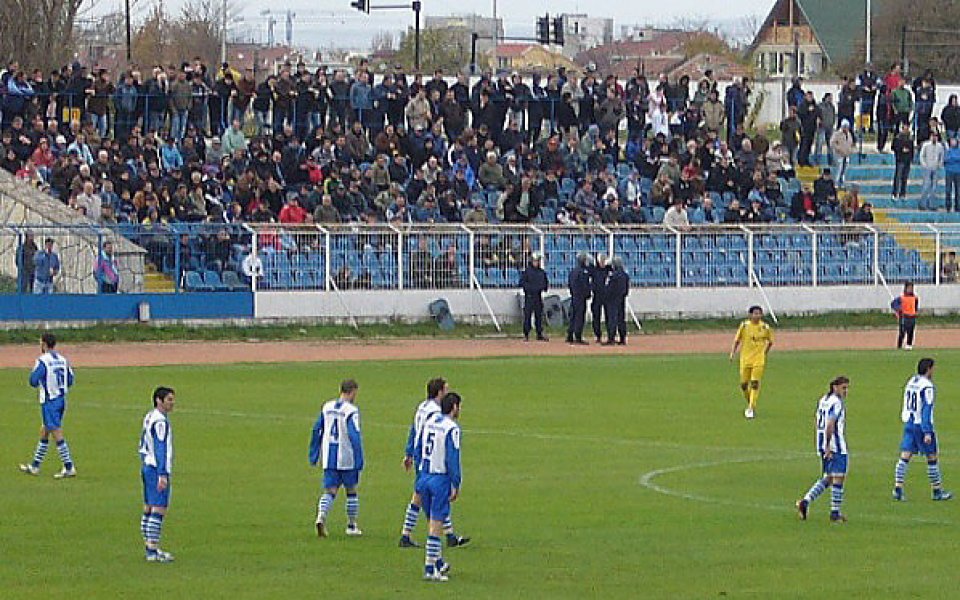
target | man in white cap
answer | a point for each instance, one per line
(841, 145)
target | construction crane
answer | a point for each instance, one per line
(270, 18)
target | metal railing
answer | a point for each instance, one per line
(221, 257)
(388, 257)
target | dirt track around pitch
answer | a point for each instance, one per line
(194, 353)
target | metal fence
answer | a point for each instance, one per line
(460, 256)
(182, 257)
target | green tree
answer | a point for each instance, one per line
(447, 49)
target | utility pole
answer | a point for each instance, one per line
(126, 17)
(869, 32)
(903, 49)
(474, 36)
(416, 34)
(223, 35)
(496, 33)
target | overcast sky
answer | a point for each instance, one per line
(325, 23)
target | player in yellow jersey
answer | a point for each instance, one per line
(754, 340)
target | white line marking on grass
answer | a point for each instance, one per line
(647, 481)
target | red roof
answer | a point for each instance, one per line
(660, 44)
(512, 50)
(723, 68)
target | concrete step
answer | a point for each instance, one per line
(885, 173)
(877, 188)
(157, 282)
(903, 215)
(867, 158)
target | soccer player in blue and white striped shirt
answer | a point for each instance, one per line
(436, 389)
(440, 478)
(919, 436)
(53, 377)
(336, 443)
(156, 457)
(831, 424)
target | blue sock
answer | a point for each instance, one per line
(353, 508)
(40, 453)
(326, 501)
(815, 490)
(448, 526)
(410, 518)
(900, 473)
(933, 472)
(64, 450)
(433, 552)
(836, 499)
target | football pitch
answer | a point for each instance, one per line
(617, 477)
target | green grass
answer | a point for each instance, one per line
(554, 455)
(282, 332)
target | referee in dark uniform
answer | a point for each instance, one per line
(579, 284)
(598, 304)
(533, 281)
(618, 287)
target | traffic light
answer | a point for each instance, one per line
(361, 5)
(558, 31)
(543, 29)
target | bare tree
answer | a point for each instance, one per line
(39, 33)
(196, 31)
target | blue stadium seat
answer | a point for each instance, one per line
(194, 282)
(212, 279)
(232, 280)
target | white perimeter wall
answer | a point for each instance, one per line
(468, 306)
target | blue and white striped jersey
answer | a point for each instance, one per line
(426, 409)
(439, 449)
(156, 442)
(832, 408)
(336, 437)
(52, 376)
(918, 397)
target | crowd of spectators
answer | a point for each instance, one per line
(192, 144)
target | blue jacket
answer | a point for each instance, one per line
(360, 97)
(951, 161)
(42, 263)
(171, 158)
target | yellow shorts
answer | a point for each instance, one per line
(751, 373)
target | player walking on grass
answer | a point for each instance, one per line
(831, 423)
(436, 389)
(754, 339)
(439, 482)
(53, 377)
(919, 436)
(156, 456)
(336, 442)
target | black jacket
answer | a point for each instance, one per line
(598, 281)
(533, 281)
(618, 286)
(579, 282)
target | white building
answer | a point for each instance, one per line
(581, 33)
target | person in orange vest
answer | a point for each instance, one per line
(906, 307)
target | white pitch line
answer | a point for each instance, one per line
(646, 480)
